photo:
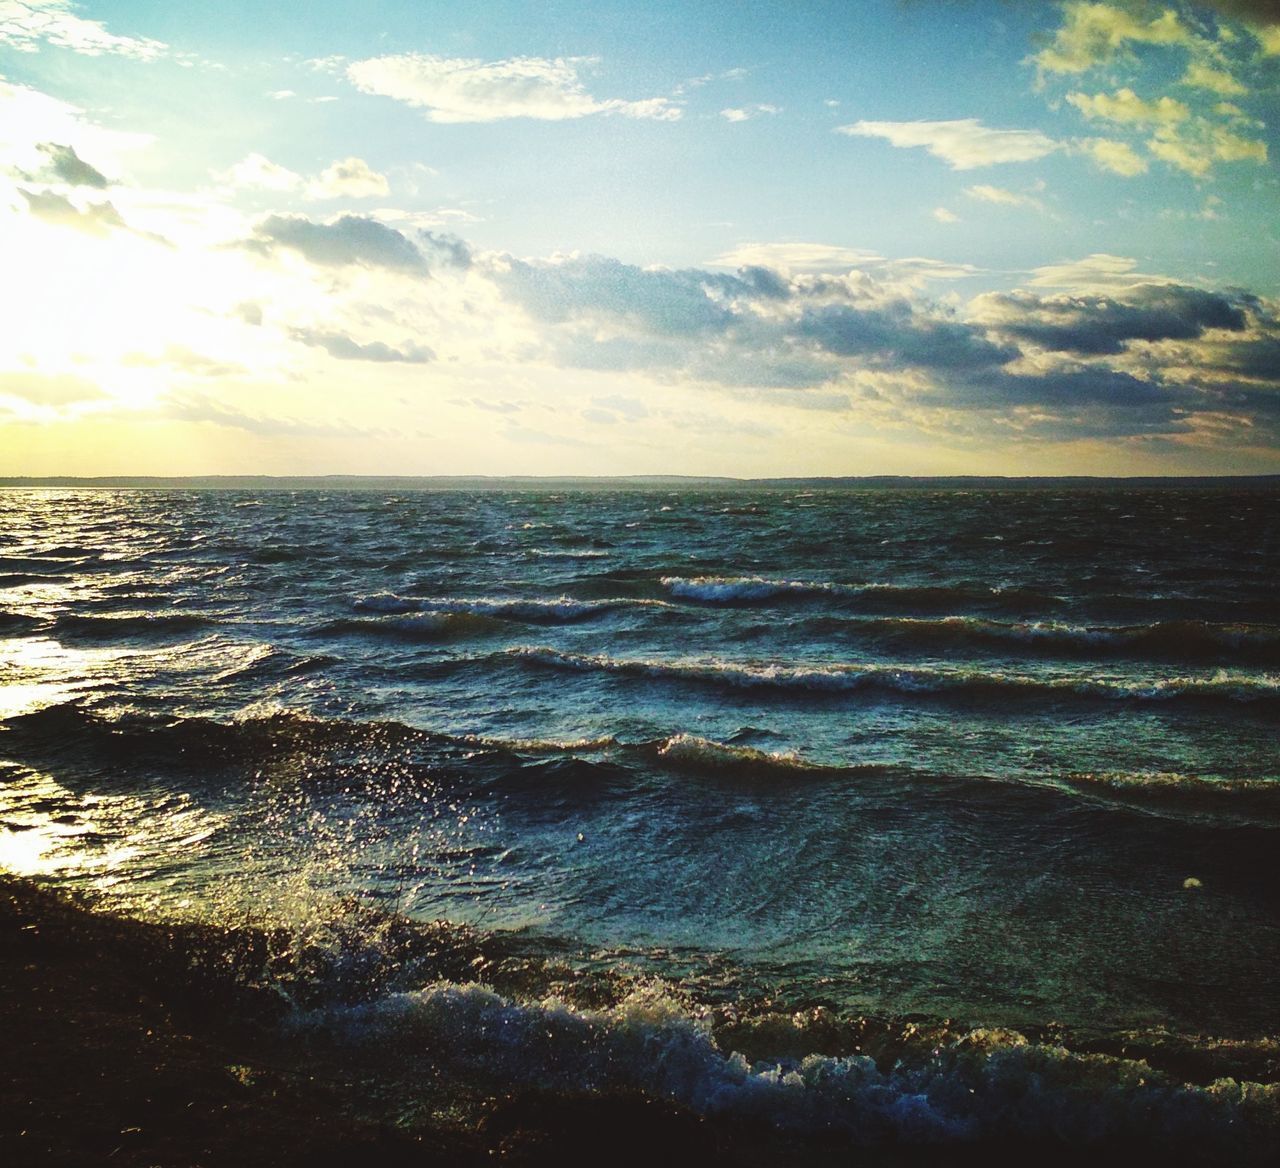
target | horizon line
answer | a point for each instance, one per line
(374, 481)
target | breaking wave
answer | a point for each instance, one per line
(964, 1087)
(951, 681)
(555, 610)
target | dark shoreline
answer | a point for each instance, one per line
(135, 1043)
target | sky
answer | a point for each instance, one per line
(701, 237)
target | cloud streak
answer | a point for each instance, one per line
(460, 89)
(27, 24)
(964, 144)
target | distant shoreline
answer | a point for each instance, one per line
(620, 482)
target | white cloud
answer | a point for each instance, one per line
(1195, 149)
(349, 178)
(29, 118)
(26, 24)
(1203, 76)
(1117, 157)
(796, 257)
(1098, 271)
(456, 89)
(1126, 106)
(964, 143)
(989, 194)
(257, 172)
(1093, 34)
(942, 215)
(747, 112)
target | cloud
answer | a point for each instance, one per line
(942, 215)
(349, 178)
(1098, 271)
(1094, 34)
(26, 24)
(1204, 76)
(897, 334)
(456, 89)
(661, 301)
(344, 348)
(67, 166)
(1196, 148)
(998, 195)
(31, 122)
(1126, 106)
(1117, 157)
(627, 407)
(257, 172)
(49, 389)
(350, 239)
(795, 257)
(745, 113)
(963, 144)
(199, 408)
(1098, 324)
(186, 359)
(92, 218)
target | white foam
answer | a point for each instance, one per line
(979, 1084)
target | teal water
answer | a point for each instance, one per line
(1002, 757)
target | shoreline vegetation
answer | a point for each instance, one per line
(131, 1042)
(339, 482)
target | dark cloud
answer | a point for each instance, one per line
(67, 166)
(93, 219)
(829, 341)
(444, 250)
(1099, 325)
(352, 239)
(342, 347)
(896, 334)
(1256, 357)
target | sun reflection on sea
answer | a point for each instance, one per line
(93, 840)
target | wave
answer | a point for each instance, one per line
(554, 610)
(952, 681)
(268, 663)
(422, 626)
(17, 579)
(1174, 782)
(704, 755)
(1239, 800)
(743, 590)
(132, 626)
(43, 563)
(17, 622)
(1175, 639)
(964, 1086)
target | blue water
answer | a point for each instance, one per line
(1002, 757)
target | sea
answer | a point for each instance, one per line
(910, 814)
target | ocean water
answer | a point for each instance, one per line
(910, 815)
